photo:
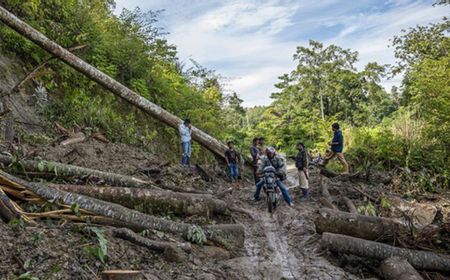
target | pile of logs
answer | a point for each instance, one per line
(377, 238)
(113, 204)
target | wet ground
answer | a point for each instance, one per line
(283, 245)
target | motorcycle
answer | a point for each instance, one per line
(271, 188)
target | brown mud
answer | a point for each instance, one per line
(283, 245)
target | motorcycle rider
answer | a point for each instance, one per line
(271, 158)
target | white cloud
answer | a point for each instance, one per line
(253, 41)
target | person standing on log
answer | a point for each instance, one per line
(273, 159)
(254, 151)
(301, 162)
(337, 146)
(185, 130)
(232, 159)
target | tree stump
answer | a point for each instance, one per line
(121, 275)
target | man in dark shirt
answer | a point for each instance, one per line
(254, 151)
(337, 146)
(301, 162)
(232, 159)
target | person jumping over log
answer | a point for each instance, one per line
(185, 130)
(301, 162)
(273, 159)
(232, 159)
(337, 146)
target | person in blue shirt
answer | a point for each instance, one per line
(185, 130)
(337, 146)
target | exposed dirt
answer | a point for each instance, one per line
(279, 246)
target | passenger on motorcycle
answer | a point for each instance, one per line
(273, 159)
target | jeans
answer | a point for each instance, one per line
(234, 171)
(280, 184)
(186, 158)
(255, 175)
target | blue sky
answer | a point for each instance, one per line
(252, 42)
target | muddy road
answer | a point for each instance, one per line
(283, 245)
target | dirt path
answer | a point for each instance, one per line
(283, 245)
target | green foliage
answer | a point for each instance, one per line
(407, 128)
(99, 251)
(130, 48)
(17, 224)
(145, 233)
(36, 138)
(37, 238)
(27, 276)
(384, 203)
(368, 210)
(75, 208)
(196, 235)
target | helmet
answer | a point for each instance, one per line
(270, 150)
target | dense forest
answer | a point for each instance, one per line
(405, 128)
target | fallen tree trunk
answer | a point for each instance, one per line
(152, 201)
(7, 211)
(344, 177)
(326, 198)
(64, 170)
(367, 227)
(364, 248)
(75, 138)
(231, 236)
(109, 83)
(351, 207)
(327, 204)
(396, 268)
(159, 246)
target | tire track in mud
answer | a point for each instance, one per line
(269, 253)
(278, 246)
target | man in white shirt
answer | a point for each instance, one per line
(185, 130)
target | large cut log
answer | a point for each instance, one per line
(231, 236)
(367, 227)
(421, 260)
(152, 201)
(109, 83)
(396, 268)
(64, 170)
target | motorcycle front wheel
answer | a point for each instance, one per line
(270, 198)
